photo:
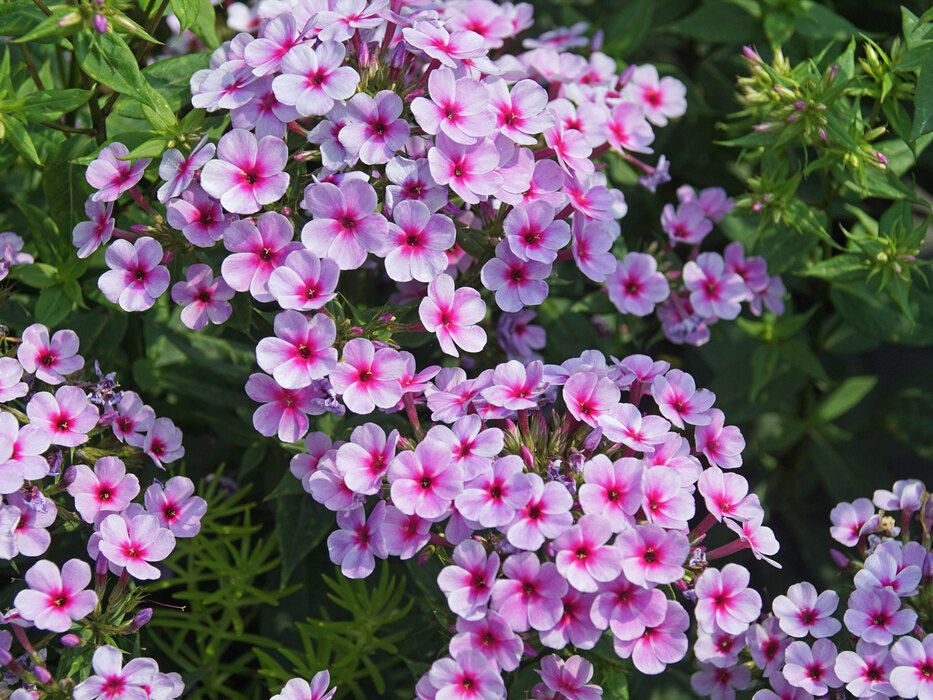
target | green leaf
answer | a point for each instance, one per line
(49, 105)
(718, 22)
(153, 148)
(53, 25)
(205, 28)
(187, 12)
(64, 184)
(53, 306)
(171, 77)
(37, 275)
(845, 397)
(801, 358)
(302, 523)
(923, 99)
(15, 132)
(836, 266)
(19, 18)
(107, 59)
(819, 22)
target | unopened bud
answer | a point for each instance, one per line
(597, 43)
(42, 675)
(841, 560)
(70, 19)
(69, 476)
(751, 54)
(100, 24)
(140, 619)
(356, 331)
(70, 640)
(527, 457)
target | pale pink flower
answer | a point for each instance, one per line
(256, 250)
(247, 173)
(530, 594)
(374, 129)
(628, 129)
(720, 683)
(687, 224)
(198, 216)
(652, 555)
(67, 417)
(178, 170)
(756, 537)
(589, 396)
(570, 678)
(492, 498)
(624, 423)
(492, 637)
(204, 297)
(583, 556)
(304, 281)
(301, 351)
(11, 371)
(470, 171)
(521, 111)
(516, 386)
(111, 175)
(726, 495)
(453, 314)
(713, 291)
(450, 48)
(176, 507)
(88, 236)
(106, 489)
(467, 677)
(284, 411)
(636, 285)
(344, 224)
(766, 643)
(313, 79)
(666, 502)
(28, 528)
(367, 377)
(802, 611)
(725, 601)
(467, 581)
(457, 108)
(420, 240)
(718, 648)
(277, 38)
(876, 616)
(405, 535)
(162, 442)
(358, 541)
(114, 681)
(300, 689)
(659, 644)
(56, 598)
(913, 673)
(133, 543)
(811, 669)
(49, 359)
(136, 277)
(133, 419)
(612, 490)
(425, 481)
(661, 98)
(533, 234)
(866, 671)
(680, 401)
(722, 444)
(364, 460)
(546, 515)
(21, 451)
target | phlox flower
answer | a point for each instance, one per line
(752, 270)
(575, 625)
(469, 676)
(133, 419)
(56, 598)
(177, 170)
(726, 495)
(327, 487)
(876, 616)
(304, 281)
(21, 451)
(756, 537)
(516, 386)
(66, 417)
(722, 444)
(659, 644)
(411, 180)
(884, 568)
(725, 601)
(114, 681)
(492, 497)
(198, 216)
(569, 679)
(11, 371)
(301, 351)
(347, 17)
(521, 111)
(106, 489)
(112, 175)
(635, 285)
(450, 399)
(530, 594)
(256, 250)
(802, 611)
(467, 581)
(589, 396)
(492, 637)
(367, 377)
(228, 86)
(661, 98)
(425, 481)
(533, 234)
(628, 129)
(713, 291)
(772, 298)
(263, 114)
(313, 79)
(718, 648)
(358, 541)
(176, 507)
(302, 464)
(668, 472)
(162, 442)
(11, 253)
(405, 535)
(450, 48)
(905, 496)
(652, 555)
(811, 669)
(518, 337)
(853, 520)
(470, 171)
(472, 447)
(284, 411)
(277, 38)
(571, 150)
(591, 198)
(714, 202)
(720, 683)
(413, 381)
(247, 172)
(300, 689)
(453, 314)
(419, 240)
(782, 690)
(135, 278)
(458, 108)
(132, 543)
(49, 359)
(866, 670)
(612, 490)
(204, 297)
(546, 515)
(583, 556)
(344, 224)
(591, 247)
(912, 676)
(31, 517)
(373, 129)
(680, 401)
(624, 423)
(365, 459)
(766, 643)
(686, 224)
(88, 236)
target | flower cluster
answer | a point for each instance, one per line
(882, 647)
(559, 507)
(64, 449)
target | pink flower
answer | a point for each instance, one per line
(203, 297)
(713, 291)
(106, 489)
(687, 224)
(178, 170)
(569, 678)
(136, 278)
(304, 281)
(257, 250)
(247, 173)
(468, 677)
(766, 643)
(162, 442)
(54, 598)
(571, 149)
(624, 423)
(720, 683)
(589, 396)
(490, 636)
(532, 233)
(660, 644)
(277, 38)
(313, 79)
(132, 418)
(811, 669)
(367, 377)
(468, 581)
(713, 201)
(661, 98)
(49, 359)
(453, 314)
(21, 451)
(344, 225)
(521, 111)
(530, 595)
(652, 555)
(612, 490)
(419, 240)
(802, 612)
(853, 520)
(516, 282)
(721, 444)
(470, 171)
(583, 557)
(680, 401)
(405, 535)
(263, 114)
(67, 417)
(516, 386)
(425, 481)
(718, 648)
(114, 681)
(546, 515)
(411, 180)
(301, 351)
(300, 689)
(628, 129)
(458, 109)
(866, 670)
(725, 601)
(472, 447)
(365, 459)
(111, 175)
(358, 541)
(492, 498)
(575, 625)
(31, 517)
(752, 270)
(876, 617)
(348, 16)
(726, 495)
(176, 507)
(888, 567)
(88, 236)
(198, 216)
(10, 385)
(759, 539)
(284, 411)
(666, 502)
(636, 286)
(450, 48)
(133, 543)
(913, 675)
(374, 129)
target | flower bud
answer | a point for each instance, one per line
(842, 561)
(69, 476)
(70, 640)
(42, 674)
(100, 24)
(140, 619)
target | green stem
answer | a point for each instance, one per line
(31, 67)
(42, 6)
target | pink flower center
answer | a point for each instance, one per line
(927, 670)
(650, 556)
(104, 494)
(170, 512)
(873, 673)
(46, 358)
(365, 376)
(881, 619)
(425, 482)
(304, 352)
(467, 683)
(62, 424)
(582, 552)
(509, 118)
(534, 513)
(771, 648)
(808, 616)
(130, 551)
(612, 495)
(815, 671)
(206, 218)
(204, 296)
(495, 492)
(157, 449)
(266, 254)
(653, 97)
(139, 274)
(113, 687)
